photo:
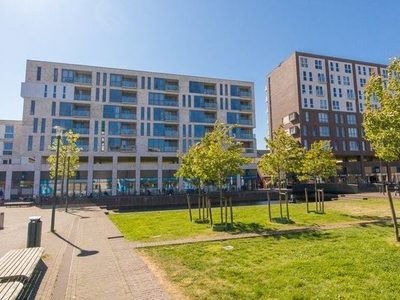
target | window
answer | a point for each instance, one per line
(319, 90)
(303, 88)
(347, 68)
(353, 146)
(335, 146)
(143, 83)
(35, 125)
(371, 71)
(323, 104)
(8, 147)
(32, 109)
(332, 79)
(303, 62)
(349, 106)
(323, 117)
(310, 90)
(324, 131)
(344, 146)
(64, 91)
(352, 132)
(55, 75)
(96, 144)
(305, 144)
(361, 107)
(337, 67)
(340, 93)
(55, 91)
(318, 64)
(30, 143)
(339, 79)
(359, 70)
(305, 103)
(321, 77)
(183, 100)
(362, 82)
(41, 143)
(305, 130)
(351, 119)
(331, 66)
(335, 105)
(310, 76)
(104, 79)
(364, 71)
(385, 73)
(360, 95)
(39, 73)
(53, 108)
(350, 94)
(334, 92)
(346, 80)
(304, 75)
(311, 103)
(43, 126)
(9, 132)
(97, 94)
(45, 91)
(142, 113)
(104, 95)
(98, 78)
(307, 116)
(96, 127)
(149, 83)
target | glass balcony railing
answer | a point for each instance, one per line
(245, 121)
(171, 133)
(246, 107)
(129, 99)
(171, 87)
(210, 105)
(128, 83)
(210, 91)
(83, 79)
(128, 131)
(245, 94)
(126, 115)
(80, 113)
(171, 118)
(81, 130)
(84, 97)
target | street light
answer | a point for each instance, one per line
(66, 199)
(59, 130)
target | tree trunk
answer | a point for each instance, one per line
(189, 206)
(269, 206)
(394, 218)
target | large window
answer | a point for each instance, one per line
(323, 117)
(318, 64)
(353, 132)
(324, 131)
(8, 147)
(65, 109)
(9, 133)
(351, 119)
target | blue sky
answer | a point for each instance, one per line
(232, 39)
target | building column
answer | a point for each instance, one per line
(114, 176)
(7, 188)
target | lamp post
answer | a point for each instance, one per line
(66, 198)
(53, 211)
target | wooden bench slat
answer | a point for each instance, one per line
(20, 263)
(10, 290)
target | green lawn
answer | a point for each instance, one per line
(360, 262)
(175, 224)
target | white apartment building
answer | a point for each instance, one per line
(131, 125)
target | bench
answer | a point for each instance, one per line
(19, 203)
(16, 268)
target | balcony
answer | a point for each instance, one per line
(243, 121)
(171, 87)
(128, 115)
(82, 94)
(128, 131)
(129, 99)
(247, 107)
(129, 84)
(212, 105)
(244, 93)
(81, 113)
(171, 133)
(210, 91)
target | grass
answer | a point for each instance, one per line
(355, 263)
(358, 262)
(175, 224)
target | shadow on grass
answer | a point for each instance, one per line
(368, 218)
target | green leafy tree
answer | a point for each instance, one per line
(68, 158)
(192, 169)
(283, 158)
(318, 163)
(217, 156)
(382, 119)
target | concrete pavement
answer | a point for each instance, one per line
(87, 257)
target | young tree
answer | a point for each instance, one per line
(318, 163)
(68, 158)
(191, 168)
(382, 119)
(283, 158)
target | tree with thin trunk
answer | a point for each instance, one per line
(318, 163)
(382, 119)
(68, 158)
(191, 169)
(284, 157)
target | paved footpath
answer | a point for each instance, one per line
(87, 258)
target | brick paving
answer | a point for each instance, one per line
(87, 257)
